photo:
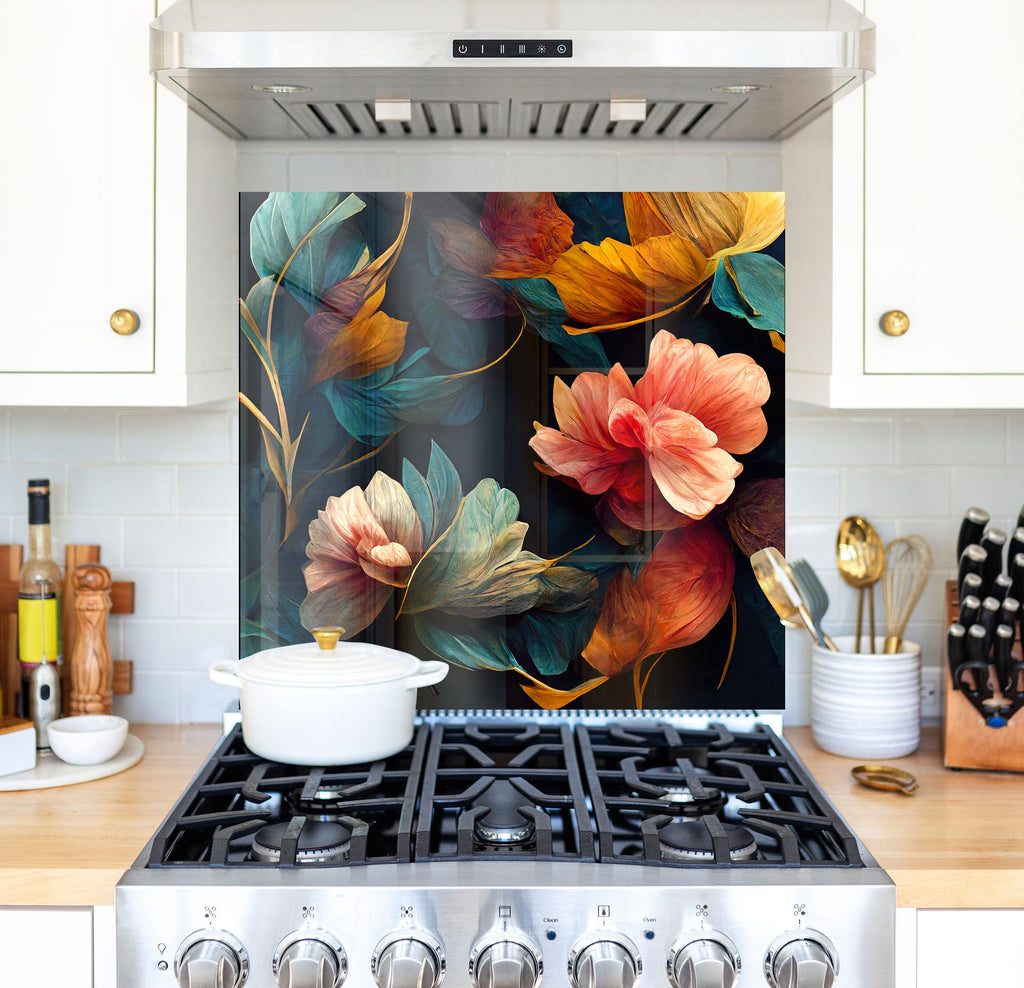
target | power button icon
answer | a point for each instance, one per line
(463, 49)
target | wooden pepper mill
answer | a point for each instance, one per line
(92, 670)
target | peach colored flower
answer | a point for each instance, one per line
(659, 451)
(681, 593)
(361, 546)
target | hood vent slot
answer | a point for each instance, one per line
(441, 119)
(354, 119)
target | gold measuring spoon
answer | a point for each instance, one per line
(860, 559)
(885, 777)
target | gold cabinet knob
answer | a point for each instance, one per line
(124, 322)
(895, 323)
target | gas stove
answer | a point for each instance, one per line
(497, 851)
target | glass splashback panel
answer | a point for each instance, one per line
(535, 434)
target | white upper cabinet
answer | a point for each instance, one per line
(99, 218)
(904, 199)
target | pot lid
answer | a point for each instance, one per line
(325, 662)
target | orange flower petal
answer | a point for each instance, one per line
(360, 346)
(528, 230)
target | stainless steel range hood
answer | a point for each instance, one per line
(487, 69)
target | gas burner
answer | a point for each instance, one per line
(326, 803)
(318, 843)
(502, 824)
(691, 841)
(682, 802)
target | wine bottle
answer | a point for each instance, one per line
(39, 592)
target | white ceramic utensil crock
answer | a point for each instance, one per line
(317, 704)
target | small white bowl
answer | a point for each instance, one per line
(87, 739)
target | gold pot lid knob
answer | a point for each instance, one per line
(895, 322)
(124, 322)
(327, 638)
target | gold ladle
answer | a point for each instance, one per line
(776, 580)
(860, 559)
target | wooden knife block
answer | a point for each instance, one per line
(967, 741)
(122, 595)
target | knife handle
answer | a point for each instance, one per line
(993, 542)
(1016, 571)
(972, 560)
(955, 649)
(1000, 587)
(988, 618)
(973, 524)
(1016, 545)
(977, 662)
(970, 608)
(1002, 660)
(1009, 612)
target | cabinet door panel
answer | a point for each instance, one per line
(78, 181)
(944, 149)
(43, 946)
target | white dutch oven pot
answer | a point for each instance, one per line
(317, 704)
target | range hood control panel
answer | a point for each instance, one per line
(512, 48)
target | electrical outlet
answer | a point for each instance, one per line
(931, 694)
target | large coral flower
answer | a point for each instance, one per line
(659, 451)
(361, 546)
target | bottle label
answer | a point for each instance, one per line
(39, 629)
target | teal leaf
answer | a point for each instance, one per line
(479, 645)
(480, 568)
(279, 226)
(545, 315)
(752, 287)
(457, 343)
(435, 497)
(286, 340)
(595, 215)
(371, 408)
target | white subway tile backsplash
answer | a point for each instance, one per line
(203, 701)
(811, 492)
(927, 439)
(671, 172)
(896, 493)
(76, 437)
(209, 593)
(154, 699)
(864, 440)
(101, 530)
(760, 172)
(260, 171)
(999, 490)
(364, 172)
(813, 540)
(469, 172)
(209, 490)
(179, 645)
(575, 169)
(175, 437)
(122, 490)
(1015, 439)
(179, 542)
(156, 592)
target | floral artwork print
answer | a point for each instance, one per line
(536, 435)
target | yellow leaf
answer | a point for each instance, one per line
(548, 698)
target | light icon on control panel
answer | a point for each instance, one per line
(541, 49)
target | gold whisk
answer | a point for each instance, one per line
(908, 564)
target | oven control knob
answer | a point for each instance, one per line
(801, 959)
(211, 959)
(505, 961)
(310, 959)
(705, 960)
(410, 959)
(608, 960)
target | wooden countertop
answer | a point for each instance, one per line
(958, 843)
